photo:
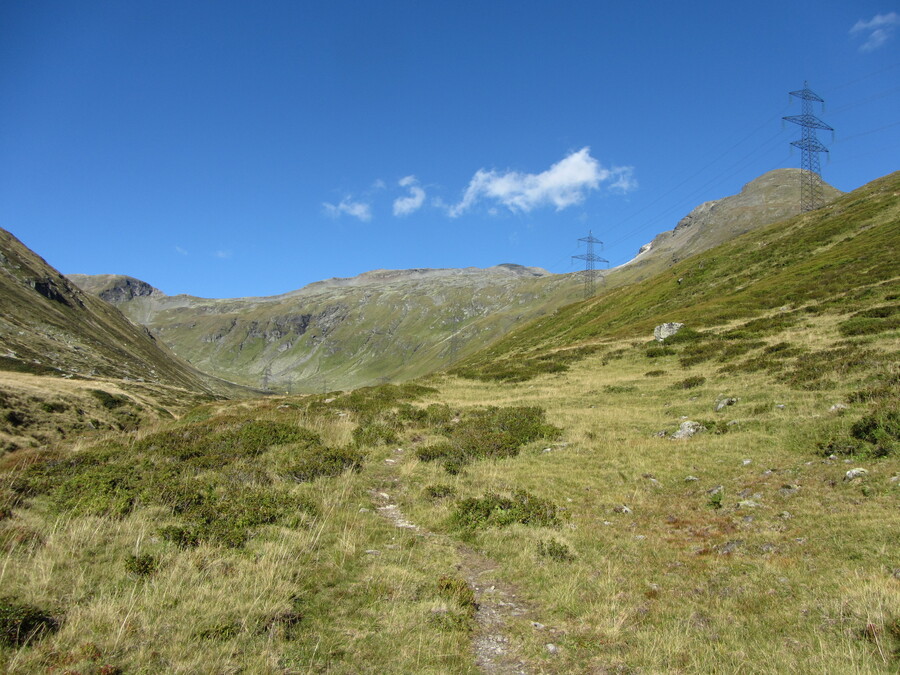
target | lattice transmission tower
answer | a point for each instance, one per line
(590, 270)
(810, 147)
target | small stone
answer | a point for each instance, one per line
(661, 434)
(894, 479)
(837, 408)
(621, 508)
(853, 474)
(363, 509)
(780, 406)
(723, 403)
(537, 625)
(547, 450)
(747, 461)
(747, 504)
(373, 551)
(730, 547)
(788, 490)
(640, 537)
(687, 430)
(390, 461)
(691, 479)
(714, 491)
(552, 648)
(732, 423)
(784, 515)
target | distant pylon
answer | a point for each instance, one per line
(810, 146)
(589, 259)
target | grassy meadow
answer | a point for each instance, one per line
(253, 536)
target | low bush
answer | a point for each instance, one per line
(325, 462)
(555, 551)
(141, 565)
(439, 491)
(107, 400)
(872, 321)
(488, 432)
(690, 382)
(654, 373)
(494, 510)
(21, 623)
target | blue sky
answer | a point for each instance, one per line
(231, 149)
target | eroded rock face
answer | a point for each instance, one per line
(661, 332)
(688, 429)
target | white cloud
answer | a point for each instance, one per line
(403, 206)
(379, 184)
(564, 184)
(359, 210)
(222, 254)
(876, 30)
(180, 251)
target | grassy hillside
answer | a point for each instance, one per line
(555, 524)
(838, 260)
(386, 325)
(65, 356)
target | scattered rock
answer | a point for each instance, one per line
(390, 461)
(691, 479)
(747, 461)
(853, 474)
(723, 403)
(788, 490)
(714, 491)
(784, 515)
(552, 648)
(661, 434)
(537, 625)
(780, 406)
(661, 332)
(730, 547)
(621, 508)
(747, 504)
(732, 423)
(373, 551)
(688, 429)
(837, 408)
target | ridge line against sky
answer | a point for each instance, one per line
(224, 150)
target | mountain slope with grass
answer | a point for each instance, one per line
(838, 260)
(343, 333)
(579, 498)
(70, 362)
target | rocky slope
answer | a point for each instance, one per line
(772, 197)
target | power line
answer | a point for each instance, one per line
(811, 147)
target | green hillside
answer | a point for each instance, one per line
(838, 260)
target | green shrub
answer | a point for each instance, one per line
(21, 623)
(456, 590)
(141, 565)
(327, 462)
(880, 428)
(107, 400)
(374, 433)
(872, 321)
(656, 352)
(655, 373)
(494, 510)
(53, 407)
(555, 551)
(690, 382)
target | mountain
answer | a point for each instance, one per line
(343, 332)
(56, 338)
(772, 197)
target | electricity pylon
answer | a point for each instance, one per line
(589, 259)
(810, 146)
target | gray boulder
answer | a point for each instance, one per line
(662, 331)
